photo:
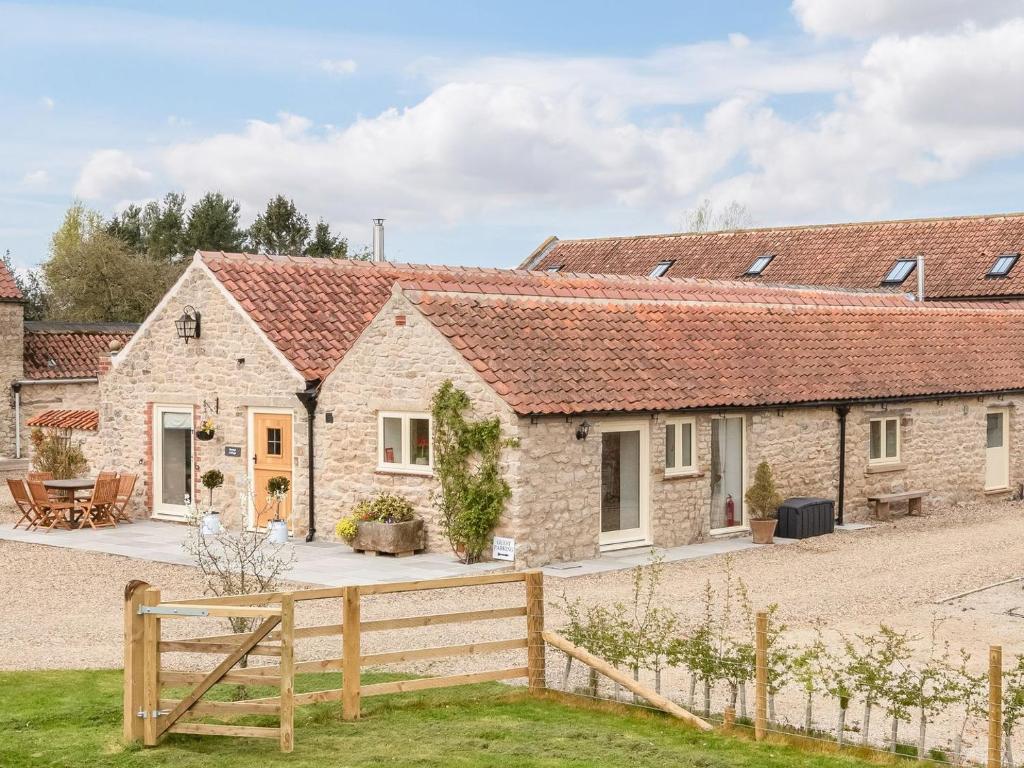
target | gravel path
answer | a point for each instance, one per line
(62, 608)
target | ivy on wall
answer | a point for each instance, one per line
(467, 464)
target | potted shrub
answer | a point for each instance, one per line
(211, 480)
(762, 505)
(205, 431)
(385, 524)
(277, 489)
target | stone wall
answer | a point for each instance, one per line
(222, 375)
(36, 398)
(396, 365)
(11, 369)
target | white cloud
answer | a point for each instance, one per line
(111, 174)
(874, 18)
(37, 178)
(47, 103)
(338, 67)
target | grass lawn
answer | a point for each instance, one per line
(72, 719)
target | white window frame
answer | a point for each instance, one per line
(678, 422)
(884, 460)
(406, 467)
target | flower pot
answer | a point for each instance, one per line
(278, 532)
(204, 434)
(211, 523)
(389, 538)
(763, 530)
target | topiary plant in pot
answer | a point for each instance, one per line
(763, 502)
(211, 480)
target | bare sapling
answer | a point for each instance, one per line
(1013, 706)
(934, 686)
(970, 691)
(806, 668)
(840, 685)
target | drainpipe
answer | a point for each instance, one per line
(920, 277)
(308, 398)
(17, 419)
(842, 411)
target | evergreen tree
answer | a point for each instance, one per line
(280, 228)
(163, 228)
(127, 227)
(213, 225)
(326, 245)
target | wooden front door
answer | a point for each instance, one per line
(271, 441)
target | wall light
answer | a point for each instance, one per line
(188, 324)
(583, 430)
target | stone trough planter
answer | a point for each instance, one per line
(398, 539)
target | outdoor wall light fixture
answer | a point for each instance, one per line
(188, 324)
(583, 430)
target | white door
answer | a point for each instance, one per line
(172, 461)
(728, 472)
(625, 474)
(997, 450)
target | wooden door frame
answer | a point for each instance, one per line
(250, 444)
(156, 457)
(644, 428)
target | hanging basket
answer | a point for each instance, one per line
(204, 434)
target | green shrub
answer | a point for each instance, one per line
(212, 478)
(278, 485)
(57, 454)
(762, 497)
(346, 529)
(382, 508)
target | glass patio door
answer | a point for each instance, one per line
(172, 461)
(728, 471)
(997, 453)
(624, 479)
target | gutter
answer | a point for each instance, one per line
(69, 380)
(308, 398)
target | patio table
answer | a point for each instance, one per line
(67, 490)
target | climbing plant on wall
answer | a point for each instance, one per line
(467, 464)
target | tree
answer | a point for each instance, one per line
(324, 244)
(32, 287)
(163, 228)
(280, 228)
(213, 225)
(706, 218)
(127, 227)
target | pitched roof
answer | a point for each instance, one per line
(70, 350)
(313, 309)
(571, 355)
(58, 419)
(959, 252)
(8, 288)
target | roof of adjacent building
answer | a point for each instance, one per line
(70, 350)
(314, 309)
(548, 355)
(8, 287)
(959, 253)
(61, 419)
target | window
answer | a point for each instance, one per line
(759, 264)
(1003, 265)
(404, 442)
(884, 441)
(662, 268)
(273, 441)
(554, 269)
(900, 271)
(680, 447)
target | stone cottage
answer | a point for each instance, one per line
(639, 406)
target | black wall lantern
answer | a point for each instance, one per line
(583, 430)
(188, 324)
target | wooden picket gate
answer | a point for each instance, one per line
(147, 715)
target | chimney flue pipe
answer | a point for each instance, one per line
(378, 239)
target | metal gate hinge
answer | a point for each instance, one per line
(171, 610)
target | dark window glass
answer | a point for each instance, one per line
(273, 441)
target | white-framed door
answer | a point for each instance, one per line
(270, 443)
(728, 473)
(997, 449)
(173, 461)
(625, 485)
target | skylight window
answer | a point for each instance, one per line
(552, 270)
(900, 271)
(1003, 265)
(662, 268)
(759, 265)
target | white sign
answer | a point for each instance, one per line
(504, 548)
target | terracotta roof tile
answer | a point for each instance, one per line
(8, 288)
(958, 254)
(70, 350)
(58, 419)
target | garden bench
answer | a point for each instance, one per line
(883, 500)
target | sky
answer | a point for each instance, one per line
(479, 129)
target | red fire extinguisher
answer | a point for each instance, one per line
(730, 511)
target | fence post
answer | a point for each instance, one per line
(133, 660)
(535, 630)
(287, 665)
(151, 668)
(350, 655)
(995, 706)
(761, 676)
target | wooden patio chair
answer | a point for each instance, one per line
(40, 475)
(98, 511)
(125, 488)
(53, 511)
(31, 515)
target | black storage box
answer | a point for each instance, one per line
(805, 516)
